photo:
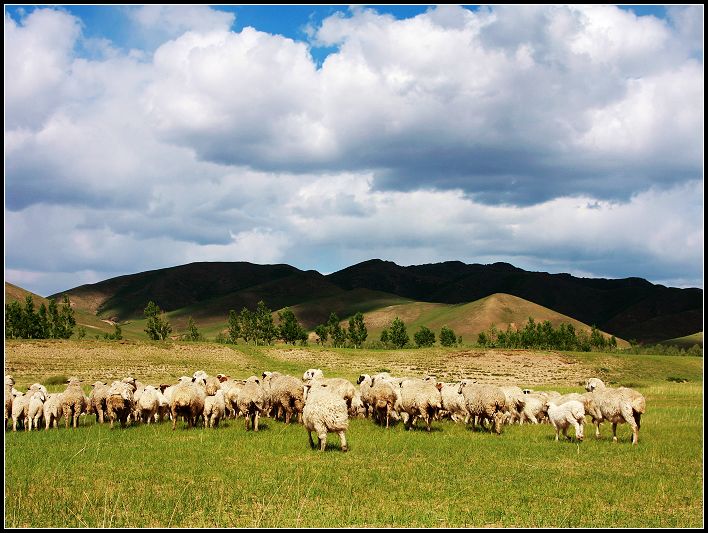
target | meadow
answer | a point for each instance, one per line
(150, 476)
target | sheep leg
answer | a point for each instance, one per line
(597, 429)
(312, 443)
(614, 432)
(343, 440)
(248, 420)
(322, 437)
(255, 421)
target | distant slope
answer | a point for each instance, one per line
(686, 342)
(83, 317)
(627, 308)
(630, 308)
(468, 320)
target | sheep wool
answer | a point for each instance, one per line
(618, 406)
(324, 412)
(566, 414)
(97, 400)
(484, 402)
(73, 402)
(214, 409)
(251, 401)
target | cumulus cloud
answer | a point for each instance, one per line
(555, 137)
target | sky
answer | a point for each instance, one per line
(555, 138)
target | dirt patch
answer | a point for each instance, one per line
(486, 366)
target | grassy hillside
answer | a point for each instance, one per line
(468, 320)
(687, 342)
(151, 476)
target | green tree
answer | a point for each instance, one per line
(81, 333)
(339, 336)
(357, 330)
(157, 327)
(265, 327)
(322, 332)
(597, 340)
(67, 320)
(234, 327)
(424, 337)
(192, 331)
(290, 329)
(448, 338)
(385, 337)
(13, 320)
(116, 335)
(398, 334)
(247, 322)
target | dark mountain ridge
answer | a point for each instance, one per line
(630, 308)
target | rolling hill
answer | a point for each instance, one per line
(630, 308)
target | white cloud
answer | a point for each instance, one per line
(478, 136)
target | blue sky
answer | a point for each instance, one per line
(556, 138)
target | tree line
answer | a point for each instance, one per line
(542, 335)
(47, 322)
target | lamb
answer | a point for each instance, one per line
(188, 401)
(571, 412)
(35, 409)
(616, 405)
(53, 410)
(324, 412)
(486, 402)
(285, 394)
(120, 402)
(420, 398)
(97, 400)
(214, 409)
(73, 401)
(251, 401)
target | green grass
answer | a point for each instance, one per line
(150, 476)
(687, 341)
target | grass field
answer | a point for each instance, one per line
(150, 476)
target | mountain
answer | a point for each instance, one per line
(630, 308)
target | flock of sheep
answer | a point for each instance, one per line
(324, 405)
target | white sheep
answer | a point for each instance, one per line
(97, 399)
(379, 396)
(147, 404)
(120, 403)
(9, 384)
(339, 386)
(420, 399)
(566, 414)
(251, 401)
(533, 409)
(188, 401)
(214, 409)
(285, 394)
(20, 405)
(615, 405)
(515, 401)
(53, 410)
(484, 402)
(324, 412)
(453, 402)
(35, 409)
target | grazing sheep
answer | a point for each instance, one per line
(188, 401)
(484, 402)
(20, 405)
(147, 404)
(559, 400)
(562, 416)
(251, 401)
(515, 401)
(532, 410)
(453, 403)
(339, 386)
(615, 405)
(357, 409)
(53, 410)
(285, 394)
(214, 409)
(212, 383)
(120, 403)
(35, 409)
(163, 406)
(97, 400)
(231, 392)
(73, 401)
(379, 396)
(420, 398)
(9, 384)
(324, 412)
